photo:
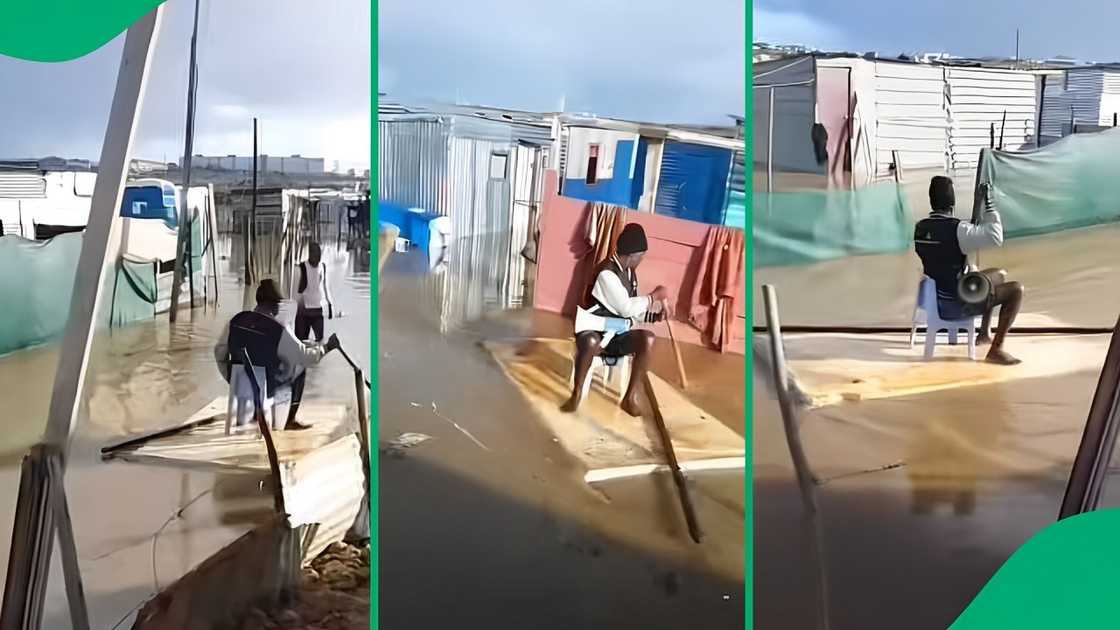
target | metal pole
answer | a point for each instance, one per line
(805, 478)
(253, 211)
(770, 145)
(36, 508)
(785, 401)
(1090, 465)
(183, 247)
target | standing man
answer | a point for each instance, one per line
(613, 294)
(313, 295)
(943, 243)
(270, 345)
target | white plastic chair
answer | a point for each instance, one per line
(241, 404)
(621, 368)
(927, 303)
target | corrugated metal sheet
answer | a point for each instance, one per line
(693, 184)
(911, 113)
(978, 98)
(793, 85)
(735, 210)
(17, 185)
(413, 162)
(1077, 99)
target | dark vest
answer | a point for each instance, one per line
(630, 281)
(260, 335)
(935, 239)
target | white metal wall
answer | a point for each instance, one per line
(978, 98)
(911, 116)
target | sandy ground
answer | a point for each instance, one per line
(335, 595)
(926, 493)
(140, 527)
(510, 535)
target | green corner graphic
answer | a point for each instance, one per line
(1063, 577)
(62, 30)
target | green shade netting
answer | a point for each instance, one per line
(794, 228)
(134, 292)
(1072, 183)
(36, 280)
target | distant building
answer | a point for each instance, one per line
(291, 165)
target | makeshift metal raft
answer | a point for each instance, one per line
(320, 468)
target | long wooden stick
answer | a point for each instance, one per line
(671, 456)
(676, 348)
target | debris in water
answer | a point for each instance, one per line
(726, 598)
(396, 448)
(435, 410)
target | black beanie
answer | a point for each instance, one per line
(267, 293)
(941, 193)
(631, 240)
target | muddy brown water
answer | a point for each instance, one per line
(509, 535)
(926, 496)
(143, 377)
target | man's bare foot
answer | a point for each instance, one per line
(570, 405)
(292, 425)
(999, 357)
(631, 407)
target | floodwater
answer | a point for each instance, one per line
(140, 527)
(925, 496)
(504, 532)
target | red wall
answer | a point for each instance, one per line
(673, 260)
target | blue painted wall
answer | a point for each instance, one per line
(619, 190)
(693, 182)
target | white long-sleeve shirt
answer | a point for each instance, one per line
(294, 355)
(988, 233)
(613, 294)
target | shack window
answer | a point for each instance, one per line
(498, 163)
(592, 163)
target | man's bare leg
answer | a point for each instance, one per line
(999, 276)
(1009, 298)
(587, 348)
(639, 366)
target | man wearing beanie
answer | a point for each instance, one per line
(270, 345)
(614, 294)
(943, 243)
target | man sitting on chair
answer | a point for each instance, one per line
(943, 243)
(272, 346)
(614, 294)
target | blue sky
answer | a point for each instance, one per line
(302, 67)
(1078, 28)
(655, 60)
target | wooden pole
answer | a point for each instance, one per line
(674, 467)
(42, 501)
(785, 401)
(676, 348)
(183, 246)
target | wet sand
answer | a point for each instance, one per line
(510, 535)
(146, 376)
(926, 495)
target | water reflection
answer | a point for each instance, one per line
(464, 280)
